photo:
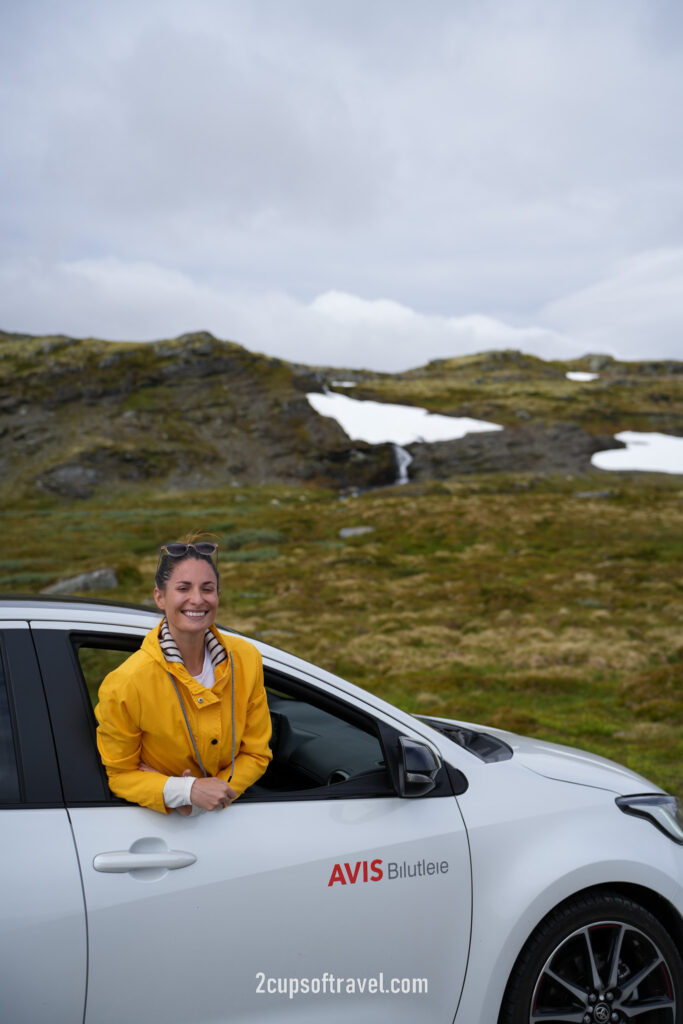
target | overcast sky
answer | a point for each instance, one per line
(348, 182)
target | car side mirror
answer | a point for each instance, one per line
(418, 767)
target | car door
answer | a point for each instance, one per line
(299, 902)
(43, 952)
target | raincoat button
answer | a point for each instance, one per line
(200, 700)
(214, 742)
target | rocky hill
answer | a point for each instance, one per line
(77, 416)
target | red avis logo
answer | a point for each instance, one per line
(375, 870)
(362, 871)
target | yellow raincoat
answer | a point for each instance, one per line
(140, 719)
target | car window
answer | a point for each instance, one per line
(96, 663)
(9, 778)
(320, 747)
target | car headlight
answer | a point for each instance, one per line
(661, 809)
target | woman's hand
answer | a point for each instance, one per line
(211, 793)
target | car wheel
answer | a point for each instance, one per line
(598, 959)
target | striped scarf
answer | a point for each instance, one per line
(170, 651)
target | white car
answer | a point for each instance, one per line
(386, 868)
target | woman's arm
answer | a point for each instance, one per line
(119, 741)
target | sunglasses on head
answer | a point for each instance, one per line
(177, 549)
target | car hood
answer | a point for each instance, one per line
(567, 764)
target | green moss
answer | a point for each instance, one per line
(18, 581)
(253, 536)
(263, 554)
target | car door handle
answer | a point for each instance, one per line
(118, 861)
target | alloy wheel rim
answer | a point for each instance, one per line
(607, 972)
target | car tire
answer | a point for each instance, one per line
(582, 961)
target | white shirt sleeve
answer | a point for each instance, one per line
(177, 791)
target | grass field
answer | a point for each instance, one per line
(512, 601)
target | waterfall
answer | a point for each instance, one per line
(403, 460)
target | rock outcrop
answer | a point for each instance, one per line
(536, 448)
(78, 416)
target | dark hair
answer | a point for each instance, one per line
(167, 563)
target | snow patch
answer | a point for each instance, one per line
(581, 375)
(648, 453)
(379, 422)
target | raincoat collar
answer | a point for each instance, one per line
(152, 646)
(171, 652)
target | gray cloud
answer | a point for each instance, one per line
(138, 301)
(502, 160)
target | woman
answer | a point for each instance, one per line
(184, 722)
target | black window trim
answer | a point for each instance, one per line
(34, 748)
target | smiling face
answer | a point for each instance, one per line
(189, 597)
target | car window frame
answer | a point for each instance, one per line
(83, 776)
